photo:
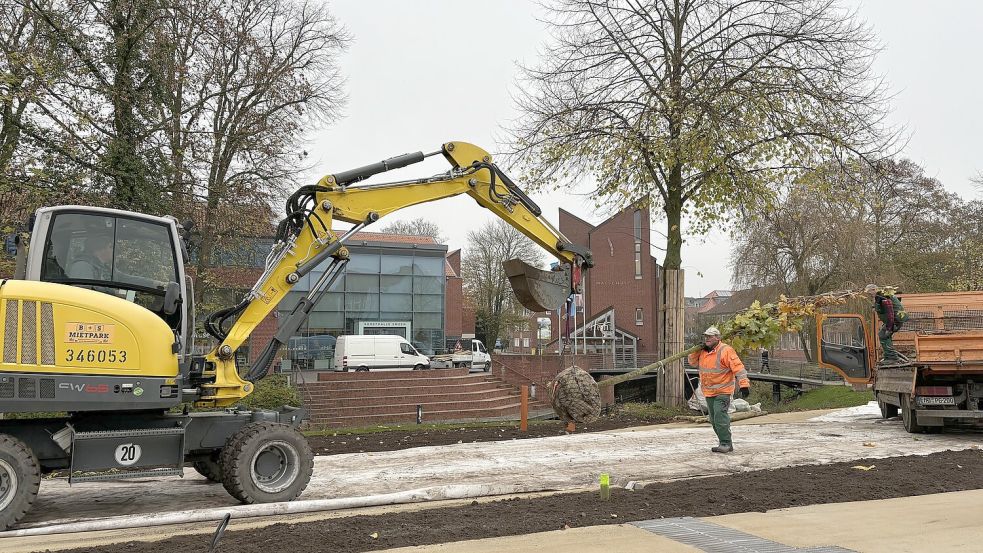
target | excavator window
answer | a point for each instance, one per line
(122, 257)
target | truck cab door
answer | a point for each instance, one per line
(843, 346)
(480, 356)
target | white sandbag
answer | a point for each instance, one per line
(698, 402)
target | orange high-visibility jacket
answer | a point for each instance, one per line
(719, 368)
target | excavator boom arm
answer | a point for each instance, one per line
(313, 242)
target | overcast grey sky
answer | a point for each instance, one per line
(425, 72)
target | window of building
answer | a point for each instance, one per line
(517, 342)
(638, 260)
(639, 319)
(638, 225)
(525, 342)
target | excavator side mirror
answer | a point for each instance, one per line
(172, 298)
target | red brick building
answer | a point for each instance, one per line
(458, 316)
(620, 303)
(624, 280)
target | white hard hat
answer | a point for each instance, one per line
(712, 331)
(870, 288)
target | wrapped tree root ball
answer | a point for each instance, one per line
(575, 396)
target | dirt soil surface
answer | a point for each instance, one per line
(743, 492)
(393, 440)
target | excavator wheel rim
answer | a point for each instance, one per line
(284, 460)
(8, 484)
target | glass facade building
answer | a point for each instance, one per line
(388, 287)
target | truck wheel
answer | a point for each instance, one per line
(20, 478)
(419, 367)
(210, 468)
(266, 462)
(908, 417)
(887, 410)
(362, 370)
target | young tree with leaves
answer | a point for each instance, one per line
(697, 106)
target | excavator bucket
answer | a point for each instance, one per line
(537, 290)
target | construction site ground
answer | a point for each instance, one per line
(406, 436)
(548, 485)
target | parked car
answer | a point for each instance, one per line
(377, 353)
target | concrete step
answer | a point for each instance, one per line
(371, 375)
(405, 397)
(453, 405)
(395, 380)
(345, 421)
(352, 393)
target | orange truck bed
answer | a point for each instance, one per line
(959, 351)
(942, 313)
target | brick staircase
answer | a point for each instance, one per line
(369, 398)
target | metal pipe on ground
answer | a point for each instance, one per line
(435, 493)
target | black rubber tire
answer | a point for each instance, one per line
(887, 410)
(20, 479)
(486, 368)
(419, 367)
(908, 417)
(285, 456)
(210, 468)
(362, 370)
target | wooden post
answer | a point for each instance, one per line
(669, 382)
(523, 408)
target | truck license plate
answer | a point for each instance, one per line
(936, 400)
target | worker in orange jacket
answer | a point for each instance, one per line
(719, 368)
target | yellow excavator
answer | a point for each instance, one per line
(97, 331)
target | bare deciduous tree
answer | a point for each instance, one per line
(831, 230)
(272, 72)
(485, 283)
(417, 227)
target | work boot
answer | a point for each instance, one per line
(722, 449)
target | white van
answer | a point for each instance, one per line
(377, 353)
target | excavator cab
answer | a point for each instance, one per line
(132, 256)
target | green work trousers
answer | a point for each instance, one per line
(887, 343)
(719, 417)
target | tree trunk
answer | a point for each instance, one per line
(674, 213)
(122, 157)
(670, 382)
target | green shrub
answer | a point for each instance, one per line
(273, 392)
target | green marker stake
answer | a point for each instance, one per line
(605, 486)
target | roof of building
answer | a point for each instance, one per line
(739, 300)
(719, 294)
(390, 237)
(581, 219)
